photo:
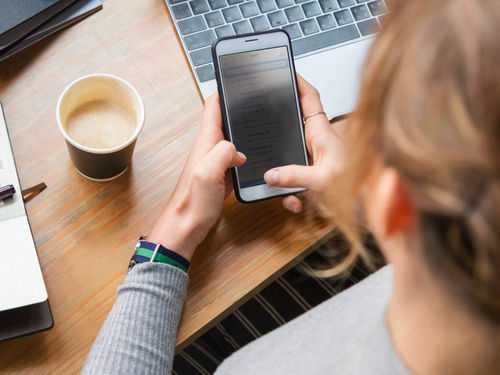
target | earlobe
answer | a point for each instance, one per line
(388, 205)
(399, 209)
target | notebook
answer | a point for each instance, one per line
(22, 289)
(19, 17)
(72, 14)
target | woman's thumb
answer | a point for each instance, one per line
(290, 176)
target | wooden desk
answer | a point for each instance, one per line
(85, 231)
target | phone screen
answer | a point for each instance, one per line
(262, 110)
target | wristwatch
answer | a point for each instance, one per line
(149, 252)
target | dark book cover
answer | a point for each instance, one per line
(73, 13)
(19, 17)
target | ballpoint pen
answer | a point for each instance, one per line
(7, 193)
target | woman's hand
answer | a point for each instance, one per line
(196, 203)
(325, 149)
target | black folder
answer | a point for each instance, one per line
(71, 14)
(25, 320)
(19, 17)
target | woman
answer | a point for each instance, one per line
(422, 157)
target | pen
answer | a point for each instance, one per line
(6, 193)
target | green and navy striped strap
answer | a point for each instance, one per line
(151, 252)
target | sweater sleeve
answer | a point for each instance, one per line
(138, 336)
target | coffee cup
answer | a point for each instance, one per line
(100, 117)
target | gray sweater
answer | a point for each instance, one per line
(346, 334)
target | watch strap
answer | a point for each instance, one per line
(146, 251)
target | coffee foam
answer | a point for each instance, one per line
(76, 103)
(100, 124)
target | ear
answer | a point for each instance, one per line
(389, 206)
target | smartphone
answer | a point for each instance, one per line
(260, 109)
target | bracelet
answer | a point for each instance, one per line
(149, 252)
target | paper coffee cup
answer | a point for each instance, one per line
(100, 117)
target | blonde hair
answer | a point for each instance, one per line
(430, 108)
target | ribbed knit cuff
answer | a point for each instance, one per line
(138, 337)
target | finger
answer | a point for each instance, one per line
(290, 176)
(321, 138)
(222, 157)
(211, 121)
(292, 203)
(309, 97)
(317, 127)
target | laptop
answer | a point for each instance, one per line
(330, 39)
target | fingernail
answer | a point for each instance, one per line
(242, 155)
(272, 177)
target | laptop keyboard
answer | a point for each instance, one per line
(312, 25)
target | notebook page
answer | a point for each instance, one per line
(8, 175)
(21, 280)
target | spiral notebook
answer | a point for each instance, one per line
(24, 306)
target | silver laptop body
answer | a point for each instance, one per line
(330, 38)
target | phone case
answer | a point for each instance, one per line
(222, 104)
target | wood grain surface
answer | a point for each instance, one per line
(85, 231)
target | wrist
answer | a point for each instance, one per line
(176, 232)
